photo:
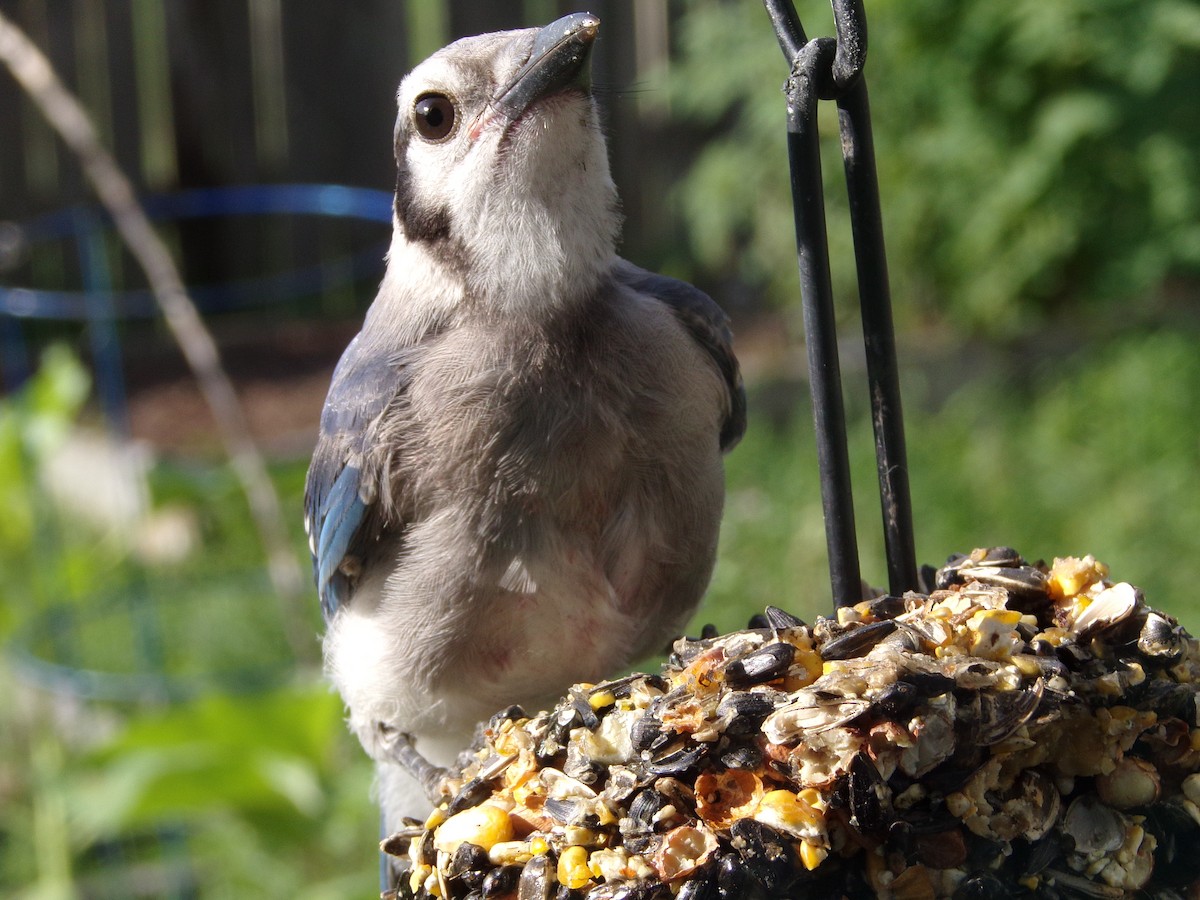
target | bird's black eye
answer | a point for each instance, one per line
(434, 116)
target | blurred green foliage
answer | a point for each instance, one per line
(273, 798)
(33, 424)
(259, 795)
(255, 790)
(1034, 158)
(1097, 454)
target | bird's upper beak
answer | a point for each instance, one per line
(560, 57)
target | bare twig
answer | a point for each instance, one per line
(66, 115)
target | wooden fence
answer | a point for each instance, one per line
(197, 93)
(193, 94)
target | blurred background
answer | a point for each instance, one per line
(160, 733)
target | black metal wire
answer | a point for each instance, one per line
(827, 68)
(887, 417)
(850, 22)
(787, 27)
(816, 290)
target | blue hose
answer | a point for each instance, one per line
(284, 199)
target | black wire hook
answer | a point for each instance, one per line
(850, 46)
(832, 69)
(788, 28)
(850, 23)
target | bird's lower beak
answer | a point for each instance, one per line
(560, 59)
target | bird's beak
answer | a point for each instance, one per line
(560, 57)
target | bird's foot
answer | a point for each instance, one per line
(403, 751)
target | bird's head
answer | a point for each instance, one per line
(503, 180)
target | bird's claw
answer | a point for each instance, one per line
(403, 751)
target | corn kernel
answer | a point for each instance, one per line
(1134, 673)
(811, 667)
(1054, 636)
(877, 871)
(855, 684)
(1120, 716)
(1027, 665)
(539, 846)
(522, 793)
(813, 798)
(1192, 810)
(604, 815)
(484, 826)
(1191, 786)
(990, 617)
(791, 814)
(811, 855)
(510, 853)
(1071, 575)
(959, 804)
(994, 632)
(577, 835)
(417, 878)
(609, 865)
(436, 818)
(602, 699)
(639, 867)
(573, 869)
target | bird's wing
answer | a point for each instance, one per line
(343, 514)
(708, 325)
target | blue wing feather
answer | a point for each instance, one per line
(339, 508)
(344, 514)
(367, 385)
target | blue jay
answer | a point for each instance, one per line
(518, 481)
